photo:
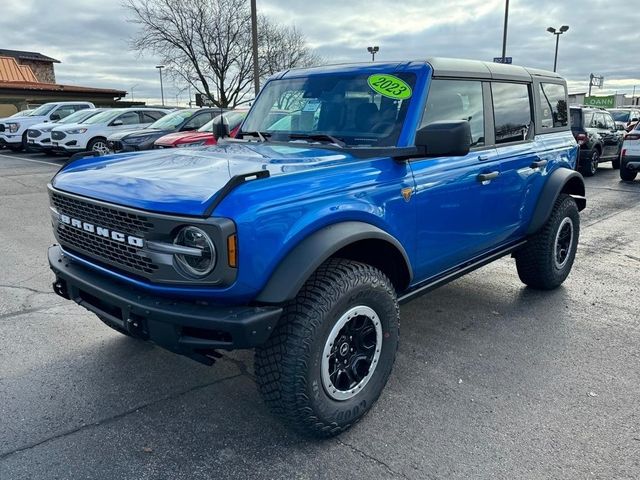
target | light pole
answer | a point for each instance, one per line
(160, 67)
(504, 31)
(132, 87)
(557, 33)
(373, 51)
(254, 46)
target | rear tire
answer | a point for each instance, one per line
(615, 163)
(590, 166)
(545, 261)
(627, 175)
(333, 350)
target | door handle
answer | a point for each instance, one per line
(483, 158)
(539, 164)
(487, 177)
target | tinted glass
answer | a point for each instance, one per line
(553, 108)
(172, 120)
(457, 100)
(79, 116)
(150, 117)
(129, 118)
(198, 121)
(620, 115)
(575, 118)
(232, 118)
(344, 106)
(104, 117)
(512, 111)
(65, 111)
(43, 110)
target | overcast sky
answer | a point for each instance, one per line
(90, 37)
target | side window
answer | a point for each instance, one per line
(553, 105)
(610, 124)
(150, 117)
(64, 111)
(129, 118)
(80, 107)
(457, 100)
(598, 121)
(198, 121)
(512, 111)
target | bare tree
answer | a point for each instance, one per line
(207, 44)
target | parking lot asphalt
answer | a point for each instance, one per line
(492, 380)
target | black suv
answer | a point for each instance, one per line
(595, 131)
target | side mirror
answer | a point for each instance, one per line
(117, 123)
(445, 138)
(619, 126)
(54, 117)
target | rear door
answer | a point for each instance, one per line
(517, 154)
(610, 136)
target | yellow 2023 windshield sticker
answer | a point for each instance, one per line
(389, 86)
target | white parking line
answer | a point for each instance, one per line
(30, 160)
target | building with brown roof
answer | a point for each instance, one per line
(27, 79)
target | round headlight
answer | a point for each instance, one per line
(196, 265)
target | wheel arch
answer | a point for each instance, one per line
(358, 241)
(562, 180)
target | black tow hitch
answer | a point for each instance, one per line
(60, 288)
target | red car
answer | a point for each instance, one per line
(204, 135)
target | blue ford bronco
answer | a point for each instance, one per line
(301, 236)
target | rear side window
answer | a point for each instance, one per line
(151, 116)
(457, 100)
(129, 118)
(575, 118)
(553, 105)
(512, 112)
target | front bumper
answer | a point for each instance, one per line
(191, 328)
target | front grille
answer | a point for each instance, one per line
(1, 127)
(111, 218)
(101, 248)
(105, 249)
(34, 133)
(58, 135)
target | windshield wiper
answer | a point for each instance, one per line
(319, 137)
(262, 136)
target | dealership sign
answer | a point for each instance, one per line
(608, 101)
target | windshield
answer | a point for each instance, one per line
(173, 120)
(104, 117)
(359, 110)
(233, 119)
(620, 115)
(78, 116)
(43, 110)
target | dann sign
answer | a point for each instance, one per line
(605, 101)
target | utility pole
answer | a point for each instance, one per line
(504, 31)
(254, 42)
(160, 67)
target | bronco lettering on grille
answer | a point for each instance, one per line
(101, 231)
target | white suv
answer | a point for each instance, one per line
(39, 135)
(92, 133)
(13, 131)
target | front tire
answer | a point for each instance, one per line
(98, 145)
(333, 350)
(545, 261)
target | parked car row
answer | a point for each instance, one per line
(71, 127)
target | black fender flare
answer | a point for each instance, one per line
(298, 265)
(561, 180)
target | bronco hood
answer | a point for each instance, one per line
(183, 182)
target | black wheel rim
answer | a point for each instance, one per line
(351, 353)
(594, 162)
(564, 243)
